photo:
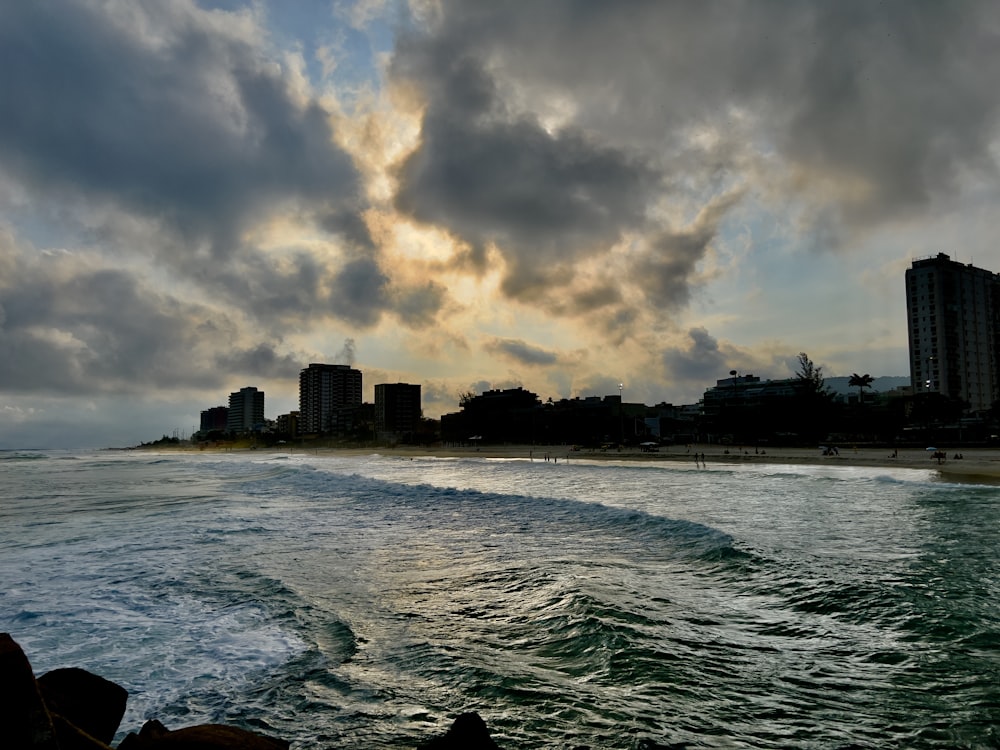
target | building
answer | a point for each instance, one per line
(246, 411)
(743, 409)
(216, 418)
(952, 323)
(494, 416)
(287, 425)
(329, 398)
(397, 410)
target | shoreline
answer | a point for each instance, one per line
(977, 465)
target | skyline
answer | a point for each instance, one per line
(562, 196)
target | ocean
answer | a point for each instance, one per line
(365, 601)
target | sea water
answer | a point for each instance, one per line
(364, 602)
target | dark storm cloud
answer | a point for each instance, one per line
(71, 328)
(93, 332)
(898, 94)
(418, 305)
(261, 361)
(358, 292)
(192, 129)
(500, 179)
(521, 351)
(702, 361)
(596, 297)
(865, 110)
(177, 116)
(665, 273)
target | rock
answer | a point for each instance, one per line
(155, 736)
(24, 720)
(90, 702)
(71, 737)
(467, 732)
(73, 709)
(151, 731)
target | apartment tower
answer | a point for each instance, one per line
(246, 410)
(397, 409)
(328, 396)
(952, 320)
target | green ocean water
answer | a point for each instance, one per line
(364, 602)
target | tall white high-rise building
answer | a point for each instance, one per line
(952, 320)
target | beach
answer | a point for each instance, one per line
(976, 465)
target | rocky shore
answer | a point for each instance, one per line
(73, 709)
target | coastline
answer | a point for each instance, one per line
(977, 465)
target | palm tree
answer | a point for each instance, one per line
(862, 382)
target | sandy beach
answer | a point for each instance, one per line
(976, 465)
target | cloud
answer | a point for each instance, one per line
(499, 180)
(260, 361)
(358, 292)
(667, 272)
(417, 305)
(549, 129)
(702, 360)
(74, 325)
(173, 115)
(438, 397)
(178, 117)
(521, 352)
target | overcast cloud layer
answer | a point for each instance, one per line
(561, 195)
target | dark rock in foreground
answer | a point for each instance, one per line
(91, 703)
(154, 736)
(73, 709)
(24, 719)
(468, 732)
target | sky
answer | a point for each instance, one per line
(196, 197)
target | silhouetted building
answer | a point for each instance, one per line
(288, 424)
(952, 321)
(397, 410)
(728, 392)
(329, 398)
(744, 408)
(246, 410)
(590, 421)
(216, 418)
(496, 416)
